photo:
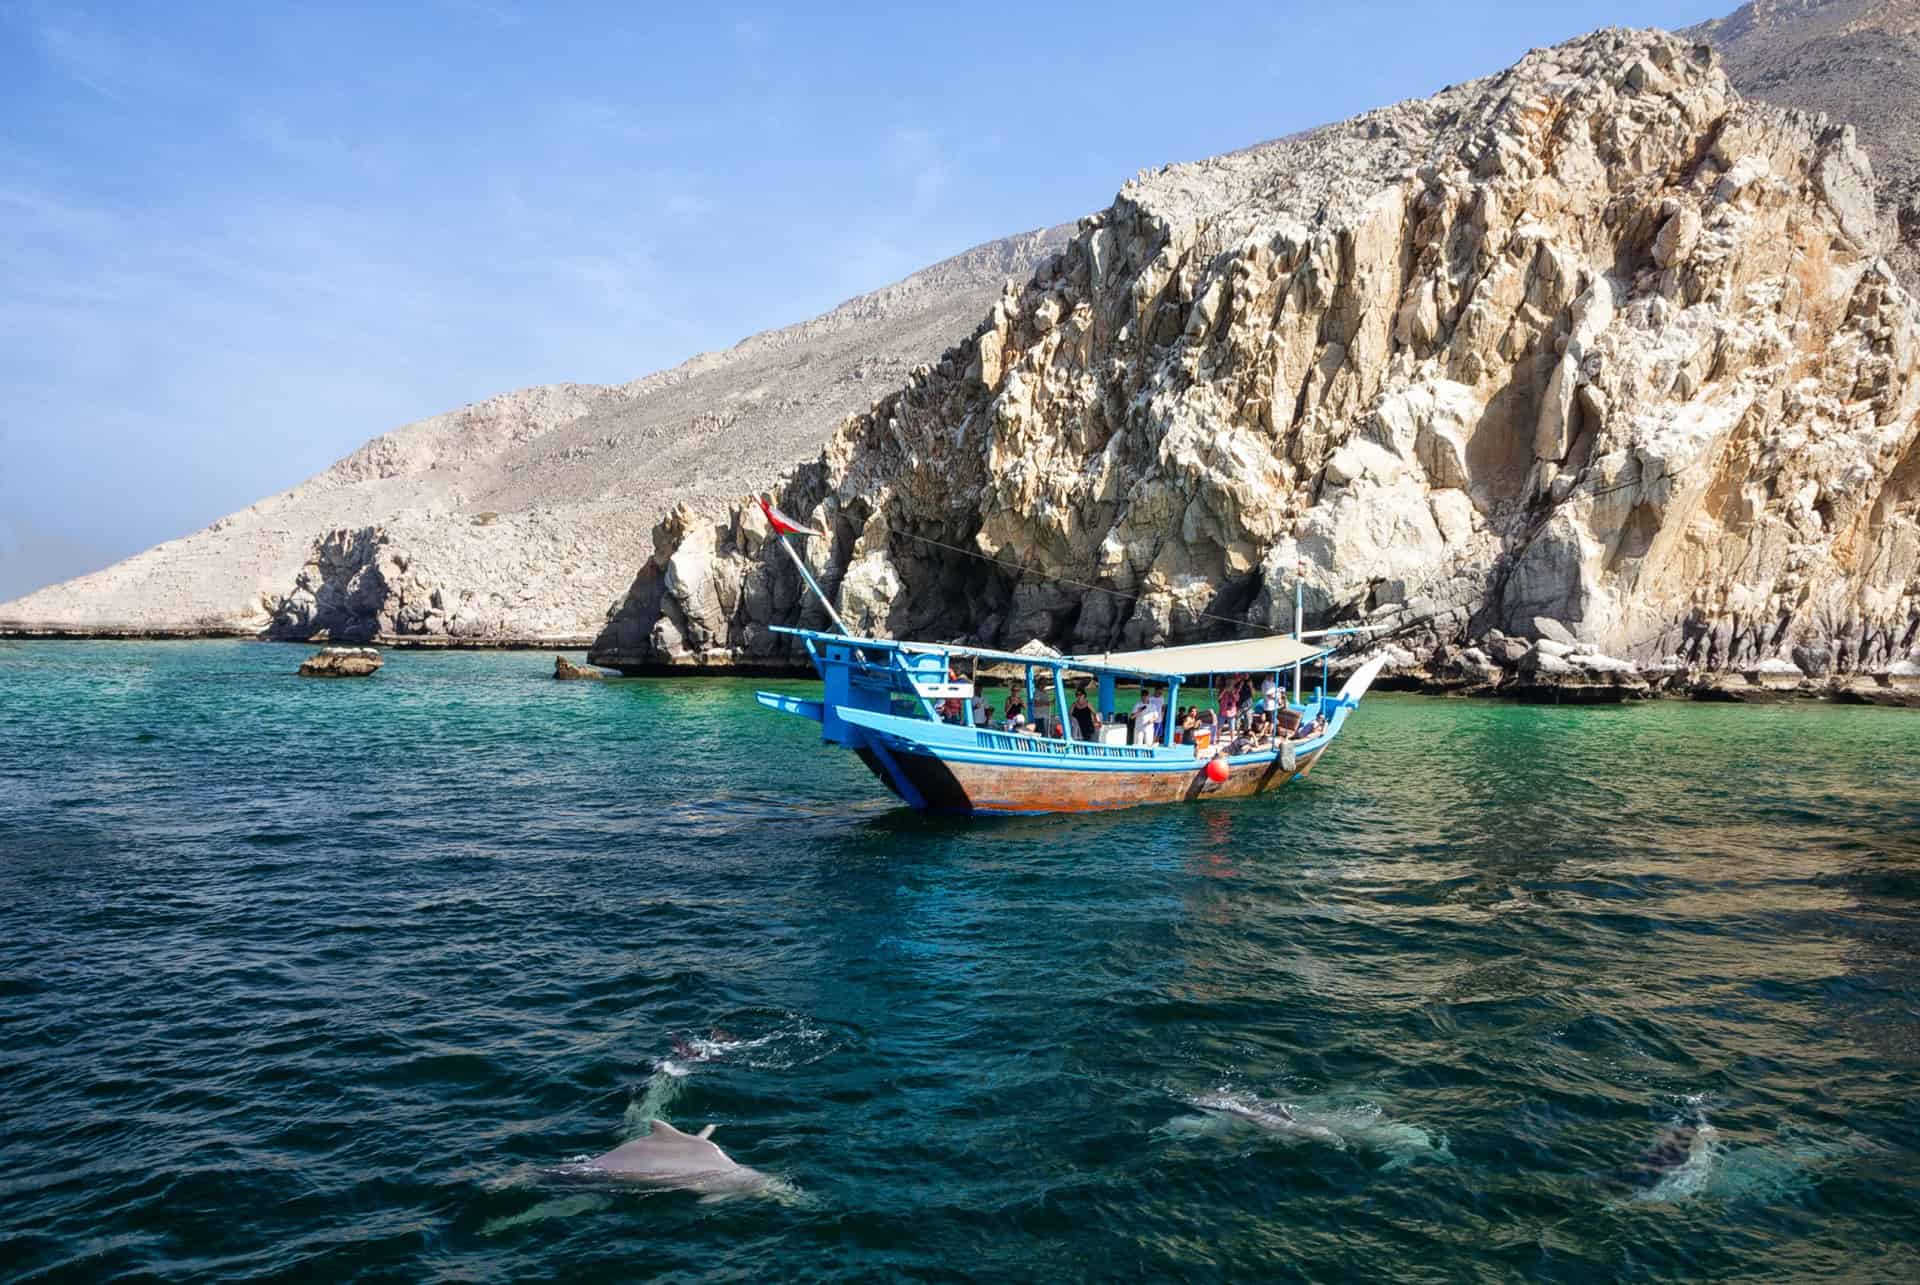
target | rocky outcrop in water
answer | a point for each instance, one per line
(341, 662)
(1592, 345)
(566, 671)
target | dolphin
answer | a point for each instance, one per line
(666, 1157)
(1663, 1156)
(1272, 1117)
(1336, 1126)
(719, 1042)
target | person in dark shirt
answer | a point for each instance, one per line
(1083, 720)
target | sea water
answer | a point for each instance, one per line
(325, 979)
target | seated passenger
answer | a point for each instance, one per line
(1188, 722)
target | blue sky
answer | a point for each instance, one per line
(239, 239)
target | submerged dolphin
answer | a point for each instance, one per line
(1661, 1161)
(666, 1157)
(1273, 1117)
(1336, 1126)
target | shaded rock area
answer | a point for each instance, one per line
(341, 662)
(566, 671)
(1587, 377)
(1546, 672)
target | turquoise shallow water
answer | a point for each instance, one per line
(322, 979)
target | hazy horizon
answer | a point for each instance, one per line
(238, 244)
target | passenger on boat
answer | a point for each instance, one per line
(1243, 697)
(1189, 721)
(1146, 719)
(1082, 715)
(951, 711)
(1229, 700)
(982, 710)
(1269, 696)
(1016, 711)
(1261, 732)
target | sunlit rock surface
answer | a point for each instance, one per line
(1593, 342)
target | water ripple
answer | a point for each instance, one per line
(303, 979)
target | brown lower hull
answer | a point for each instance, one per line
(972, 788)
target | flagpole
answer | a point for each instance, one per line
(813, 585)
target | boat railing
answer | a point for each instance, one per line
(1021, 743)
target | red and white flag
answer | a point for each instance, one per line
(781, 522)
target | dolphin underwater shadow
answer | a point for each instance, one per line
(1690, 1160)
(1361, 1127)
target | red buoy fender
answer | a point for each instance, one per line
(1217, 769)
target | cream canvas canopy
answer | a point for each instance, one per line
(1248, 655)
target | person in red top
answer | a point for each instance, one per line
(1229, 700)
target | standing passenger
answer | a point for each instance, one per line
(1230, 700)
(1082, 716)
(1146, 720)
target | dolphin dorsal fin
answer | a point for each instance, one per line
(666, 1130)
(705, 1133)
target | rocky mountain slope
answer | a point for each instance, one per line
(523, 516)
(1856, 60)
(1592, 351)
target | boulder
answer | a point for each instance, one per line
(341, 662)
(566, 671)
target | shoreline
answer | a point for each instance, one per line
(1709, 687)
(395, 642)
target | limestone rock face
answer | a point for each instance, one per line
(1859, 62)
(1592, 342)
(341, 662)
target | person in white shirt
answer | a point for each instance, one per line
(982, 711)
(1269, 696)
(1146, 719)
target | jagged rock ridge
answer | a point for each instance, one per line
(1856, 60)
(1592, 341)
(522, 517)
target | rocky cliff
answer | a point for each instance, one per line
(1593, 348)
(521, 518)
(1856, 60)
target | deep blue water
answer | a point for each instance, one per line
(323, 980)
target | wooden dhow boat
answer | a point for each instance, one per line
(905, 709)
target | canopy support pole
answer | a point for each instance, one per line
(1299, 620)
